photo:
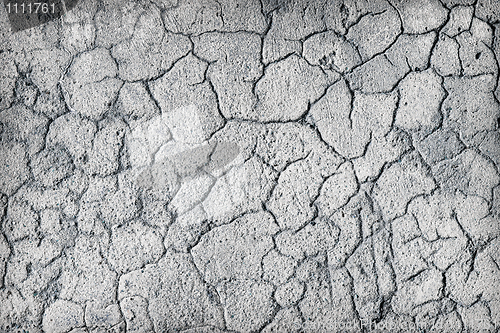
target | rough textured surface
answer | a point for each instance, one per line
(274, 166)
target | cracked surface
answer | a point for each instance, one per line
(205, 166)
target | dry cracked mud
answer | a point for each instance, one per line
(205, 166)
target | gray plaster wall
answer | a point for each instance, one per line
(251, 166)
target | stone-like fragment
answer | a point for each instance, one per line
(459, 21)
(151, 50)
(103, 159)
(115, 22)
(289, 293)
(421, 17)
(182, 92)
(62, 316)
(476, 57)
(134, 246)
(286, 320)
(13, 167)
(135, 103)
(297, 20)
(488, 11)
(291, 199)
(92, 66)
(277, 267)
(243, 15)
(78, 37)
(50, 166)
(120, 206)
(330, 51)
(50, 103)
(445, 59)
(411, 52)
(470, 106)
(421, 95)
(8, 77)
(469, 172)
(381, 150)
(376, 75)
(440, 145)
(401, 182)
(235, 250)
(90, 85)
(373, 34)
(248, 305)
(244, 188)
(337, 190)
(176, 296)
(276, 48)
(21, 124)
(236, 59)
(316, 237)
(193, 17)
(286, 90)
(47, 67)
(347, 126)
(425, 287)
(186, 230)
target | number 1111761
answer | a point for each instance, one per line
(30, 8)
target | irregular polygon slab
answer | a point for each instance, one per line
(183, 90)
(235, 250)
(135, 103)
(470, 106)
(133, 246)
(48, 67)
(348, 130)
(291, 200)
(401, 182)
(381, 150)
(236, 59)
(329, 50)
(440, 145)
(373, 34)
(376, 75)
(411, 52)
(244, 188)
(243, 15)
(8, 77)
(21, 124)
(420, 100)
(277, 267)
(248, 305)
(193, 17)
(298, 19)
(62, 316)
(337, 190)
(150, 51)
(425, 287)
(51, 166)
(176, 296)
(459, 21)
(287, 88)
(13, 167)
(469, 172)
(488, 11)
(445, 59)
(476, 57)
(489, 147)
(421, 17)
